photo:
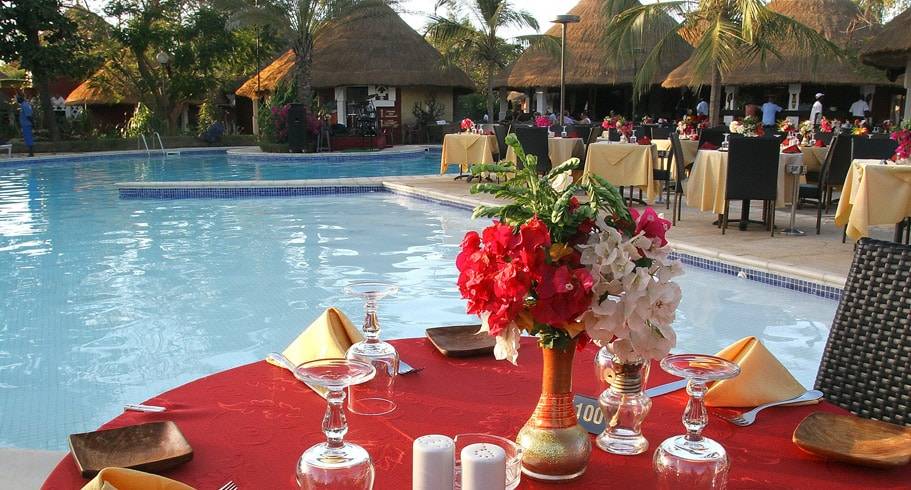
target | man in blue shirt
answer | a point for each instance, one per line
(702, 108)
(25, 120)
(770, 111)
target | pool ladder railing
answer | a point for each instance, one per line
(141, 142)
(165, 153)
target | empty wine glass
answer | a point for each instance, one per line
(335, 464)
(691, 460)
(563, 133)
(725, 143)
(375, 397)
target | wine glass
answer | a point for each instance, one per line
(563, 132)
(375, 397)
(725, 143)
(691, 460)
(335, 463)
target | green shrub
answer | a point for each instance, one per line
(142, 122)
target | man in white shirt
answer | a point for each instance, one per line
(816, 111)
(860, 108)
(769, 112)
(702, 108)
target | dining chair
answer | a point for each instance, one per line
(534, 142)
(676, 159)
(613, 134)
(832, 175)
(660, 132)
(500, 131)
(865, 364)
(594, 133)
(714, 136)
(752, 174)
(824, 137)
(864, 148)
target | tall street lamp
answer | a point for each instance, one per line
(563, 20)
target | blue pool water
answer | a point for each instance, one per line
(106, 301)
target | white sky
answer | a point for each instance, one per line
(415, 12)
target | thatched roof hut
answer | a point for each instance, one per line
(98, 90)
(837, 20)
(371, 46)
(586, 60)
(891, 48)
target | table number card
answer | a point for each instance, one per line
(588, 410)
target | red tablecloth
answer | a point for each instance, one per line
(250, 424)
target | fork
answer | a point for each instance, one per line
(229, 486)
(747, 418)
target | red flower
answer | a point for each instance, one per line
(652, 225)
(563, 294)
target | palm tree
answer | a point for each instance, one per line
(471, 32)
(300, 22)
(725, 34)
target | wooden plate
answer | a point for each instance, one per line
(152, 447)
(461, 341)
(854, 440)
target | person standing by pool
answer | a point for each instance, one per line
(26, 120)
(770, 111)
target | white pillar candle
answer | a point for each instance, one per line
(432, 463)
(483, 467)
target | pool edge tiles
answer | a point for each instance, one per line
(98, 156)
(385, 155)
(208, 190)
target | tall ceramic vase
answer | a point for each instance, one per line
(554, 446)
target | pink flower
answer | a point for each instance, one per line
(652, 225)
(542, 122)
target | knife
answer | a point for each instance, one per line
(666, 388)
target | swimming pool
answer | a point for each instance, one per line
(106, 301)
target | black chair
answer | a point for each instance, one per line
(863, 148)
(825, 137)
(594, 133)
(640, 131)
(714, 136)
(534, 142)
(752, 175)
(579, 130)
(661, 132)
(500, 131)
(613, 134)
(834, 170)
(865, 365)
(676, 159)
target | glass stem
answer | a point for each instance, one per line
(695, 418)
(335, 426)
(371, 323)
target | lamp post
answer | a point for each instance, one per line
(563, 20)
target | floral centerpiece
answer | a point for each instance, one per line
(752, 126)
(626, 130)
(903, 137)
(685, 125)
(647, 120)
(786, 126)
(542, 122)
(613, 122)
(825, 125)
(736, 127)
(467, 124)
(887, 125)
(565, 262)
(860, 128)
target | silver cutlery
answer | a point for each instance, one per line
(666, 388)
(138, 407)
(228, 486)
(747, 418)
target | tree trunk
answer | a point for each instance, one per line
(44, 90)
(490, 102)
(715, 99)
(303, 52)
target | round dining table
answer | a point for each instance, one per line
(251, 423)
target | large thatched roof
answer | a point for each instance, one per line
(890, 48)
(586, 57)
(371, 46)
(837, 20)
(99, 89)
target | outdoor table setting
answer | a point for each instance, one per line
(558, 149)
(705, 187)
(596, 395)
(625, 165)
(874, 193)
(689, 147)
(814, 157)
(467, 149)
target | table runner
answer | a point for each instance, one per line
(707, 182)
(467, 149)
(558, 149)
(877, 194)
(250, 424)
(625, 164)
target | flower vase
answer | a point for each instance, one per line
(624, 139)
(554, 446)
(625, 406)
